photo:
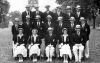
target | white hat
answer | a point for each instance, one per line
(78, 26)
(72, 19)
(49, 16)
(50, 29)
(60, 18)
(17, 19)
(68, 7)
(37, 17)
(27, 6)
(36, 6)
(64, 29)
(82, 19)
(78, 7)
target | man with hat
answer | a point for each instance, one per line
(78, 42)
(48, 12)
(60, 25)
(59, 13)
(15, 28)
(49, 23)
(39, 25)
(37, 12)
(27, 15)
(69, 13)
(71, 26)
(78, 13)
(50, 43)
(86, 31)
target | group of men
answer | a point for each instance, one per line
(51, 34)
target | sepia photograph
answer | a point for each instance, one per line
(49, 31)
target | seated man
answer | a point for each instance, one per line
(50, 44)
(19, 49)
(85, 30)
(34, 49)
(65, 50)
(78, 43)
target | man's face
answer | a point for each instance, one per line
(65, 31)
(47, 9)
(50, 31)
(78, 10)
(49, 19)
(28, 8)
(78, 29)
(34, 31)
(20, 31)
(82, 22)
(37, 9)
(72, 21)
(58, 10)
(68, 10)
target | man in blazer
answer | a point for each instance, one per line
(86, 31)
(37, 12)
(60, 25)
(69, 14)
(27, 15)
(48, 12)
(78, 14)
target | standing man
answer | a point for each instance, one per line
(48, 12)
(78, 14)
(37, 12)
(27, 15)
(59, 13)
(69, 14)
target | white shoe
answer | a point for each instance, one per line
(34, 60)
(65, 61)
(79, 60)
(21, 60)
(76, 60)
(48, 60)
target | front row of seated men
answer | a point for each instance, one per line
(66, 45)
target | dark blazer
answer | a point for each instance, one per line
(20, 40)
(45, 14)
(34, 16)
(78, 17)
(50, 40)
(59, 29)
(24, 14)
(86, 30)
(40, 28)
(14, 31)
(67, 40)
(71, 29)
(61, 14)
(31, 40)
(81, 39)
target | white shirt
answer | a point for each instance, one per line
(35, 36)
(78, 13)
(65, 36)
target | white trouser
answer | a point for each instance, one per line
(49, 51)
(78, 54)
(87, 49)
(65, 49)
(19, 50)
(34, 49)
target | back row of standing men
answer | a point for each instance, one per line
(56, 24)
